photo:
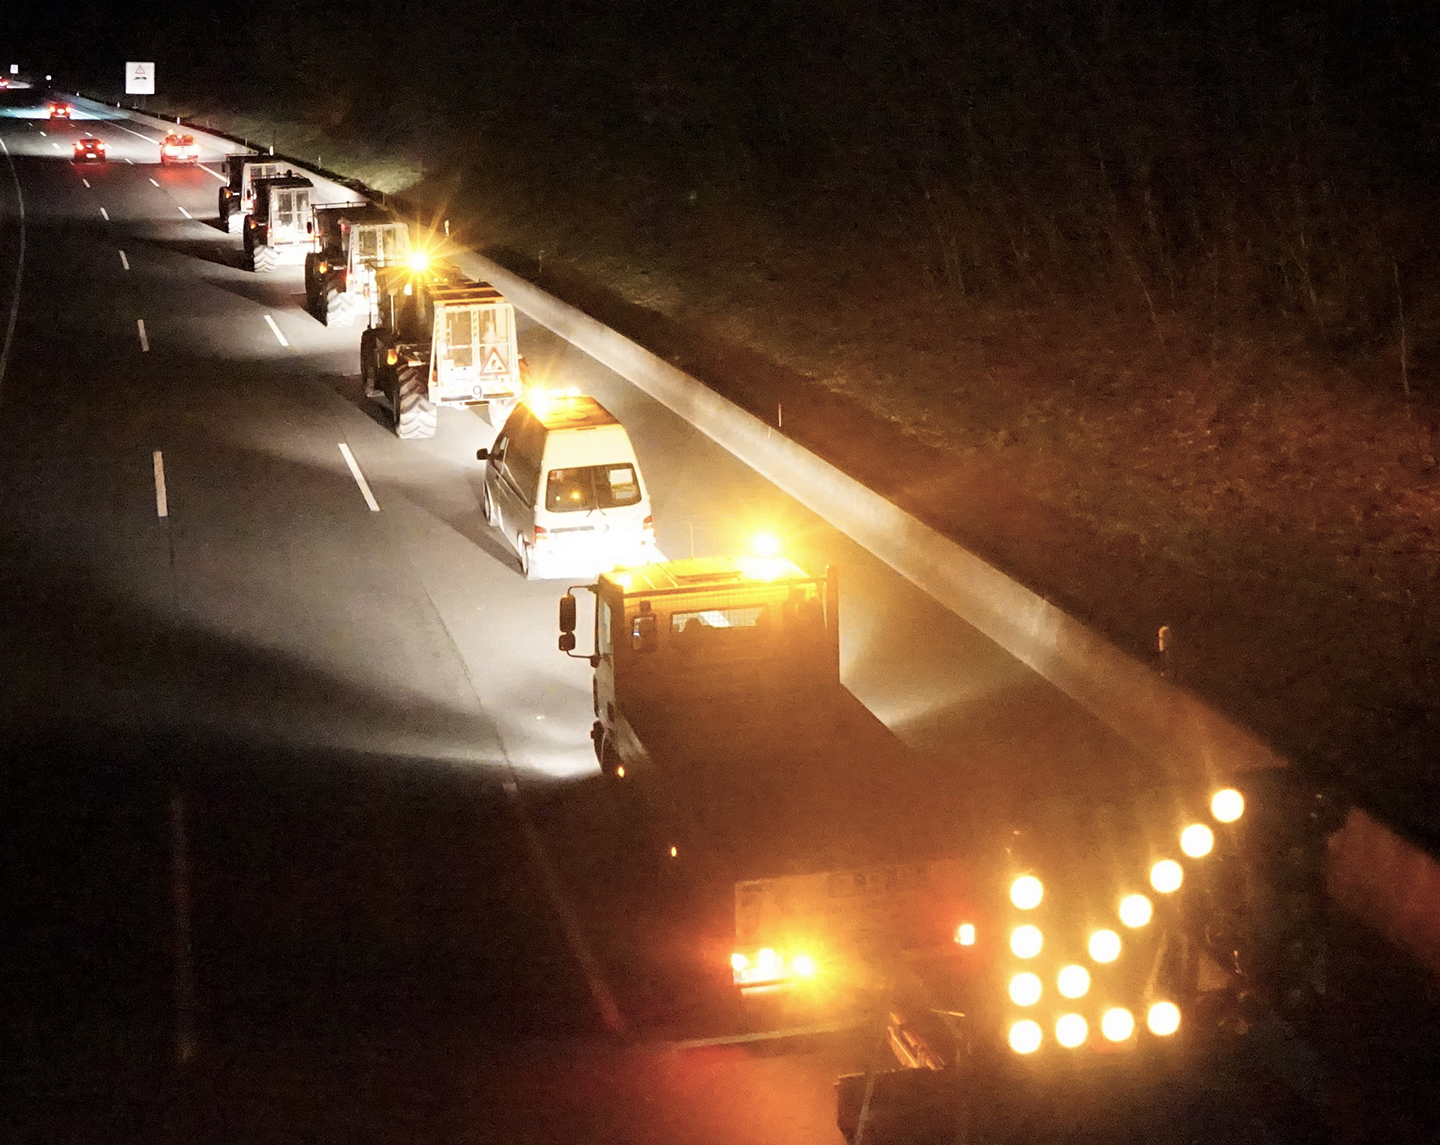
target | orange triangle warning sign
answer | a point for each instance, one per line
(495, 362)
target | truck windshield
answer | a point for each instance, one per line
(686, 622)
(591, 487)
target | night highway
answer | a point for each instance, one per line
(272, 681)
(395, 824)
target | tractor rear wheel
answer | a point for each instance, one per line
(339, 307)
(222, 211)
(369, 364)
(414, 411)
(234, 219)
(312, 287)
(262, 257)
(320, 304)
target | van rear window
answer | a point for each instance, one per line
(588, 487)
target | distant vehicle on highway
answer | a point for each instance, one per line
(178, 148)
(89, 150)
(59, 111)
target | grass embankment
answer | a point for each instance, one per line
(1136, 450)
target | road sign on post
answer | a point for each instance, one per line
(14, 69)
(140, 78)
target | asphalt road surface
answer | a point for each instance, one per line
(415, 911)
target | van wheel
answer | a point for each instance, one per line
(524, 551)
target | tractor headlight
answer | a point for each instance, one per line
(1104, 946)
(1117, 1024)
(1073, 981)
(1166, 876)
(1071, 1031)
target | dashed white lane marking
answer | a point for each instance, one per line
(217, 174)
(104, 214)
(276, 331)
(19, 265)
(131, 162)
(42, 133)
(56, 146)
(162, 503)
(125, 262)
(144, 341)
(153, 183)
(86, 182)
(186, 213)
(359, 478)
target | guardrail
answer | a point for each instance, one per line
(1373, 872)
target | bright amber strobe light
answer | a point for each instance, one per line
(1117, 1025)
(1026, 892)
(418, 260)
(1073, 981)
(1166, 876)
(1197, 840)
(767, 960)
(1025, 1036)
(1227, 805)
(1135, 911)
(1071, 1031)
(738, 962)
(1026, 941)
(765, 545)
(803, 965)
(1163, 1019)
(1104, 946)
(1025, 989)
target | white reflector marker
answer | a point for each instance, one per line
(162, 504)
(279, 337)
(144, 341)
(125, 262)
(359, 478)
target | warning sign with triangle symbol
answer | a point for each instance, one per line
(495, 362)
(139, 78)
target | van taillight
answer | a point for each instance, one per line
(649, 524)
(539, 531)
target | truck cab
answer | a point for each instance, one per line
(237, 196)
(280, 224)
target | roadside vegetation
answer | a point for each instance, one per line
(1141, 306)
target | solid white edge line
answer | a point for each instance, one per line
(144, 341)
(359, 478)
(104, 214)
(276, 331)
(217, 174)
(19, 267)
(147, 138)
(186, 213)
(162, 502)
(125, 262)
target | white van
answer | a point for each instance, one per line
(564, 488)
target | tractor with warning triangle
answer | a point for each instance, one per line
(437, 338)
(352, 241)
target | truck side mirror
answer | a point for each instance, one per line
(567, 642)
(645, 633)
(567, 617)
(482, 454)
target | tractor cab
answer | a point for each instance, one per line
(280, 224)
(237, 197)
(350, 241)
